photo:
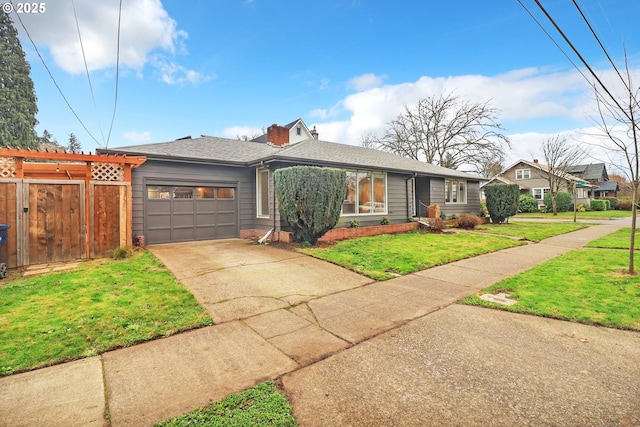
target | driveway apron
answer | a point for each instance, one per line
(236, 279)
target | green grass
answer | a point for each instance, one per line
(262, 405)
(532, 231)
(617, 240)
(579, 215)
(102, 305)
(386, 256)
(585, 285)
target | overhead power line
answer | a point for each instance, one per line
(601, 46)
(86, 67)
(115, 100)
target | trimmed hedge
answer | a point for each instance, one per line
(310, 199)
(502, 201)
(599, 205)
(563, 202)
(614, 202)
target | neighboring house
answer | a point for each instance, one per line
(213, 188)
(596, 175)
(533, 179)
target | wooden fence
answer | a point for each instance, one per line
(64, 206)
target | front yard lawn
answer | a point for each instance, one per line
(262, 405)
(532, 231)
(579, 215)
(102, 305)
(585, 285)
(386, 256)
(617, 240)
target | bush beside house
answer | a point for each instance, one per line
(563, 201)
(310, 214)
(502, 201)
(527, 203)
(599, 205)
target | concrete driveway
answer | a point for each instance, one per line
(236, 279)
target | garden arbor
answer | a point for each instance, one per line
(64, 206)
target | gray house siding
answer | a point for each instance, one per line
(192, 174)
(473, 198)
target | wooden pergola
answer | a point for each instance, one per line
(33, 179)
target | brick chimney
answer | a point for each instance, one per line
(277, 135)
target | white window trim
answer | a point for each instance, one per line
(533, 193)
(259, 172)
(386, 195)
(523, 173)
(458, 181)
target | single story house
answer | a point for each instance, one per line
(213, 188)
(533, 178)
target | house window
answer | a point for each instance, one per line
(523, 173)
(539, 193)
(455, 191)
(262, 193)
(225, 193)
(156, 192)
(580, 193)
(205, 193)
(183, 193)
(366, 193)
(298, 130)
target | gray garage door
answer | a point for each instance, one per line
(181, 214)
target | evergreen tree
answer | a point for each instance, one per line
(18, 106)
(74, 144)
(310, 199)
(48, 142)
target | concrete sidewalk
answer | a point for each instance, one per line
(147, 383)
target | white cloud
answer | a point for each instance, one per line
(365, 81)
(145, 28)
(138, 137)
(173, 73)
(526, 99)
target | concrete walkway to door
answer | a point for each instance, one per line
(277, 313)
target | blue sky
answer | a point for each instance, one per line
(229, 68)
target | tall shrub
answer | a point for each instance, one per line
(502, 201)
(527, 203)
(563, 201)
(598, 205)
(310, 199)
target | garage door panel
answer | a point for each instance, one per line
(206, 233)
(207, 219)
(183, 220)
(183, 206)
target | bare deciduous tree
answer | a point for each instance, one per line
(253, 135)
(445, 130)
(617, 120)
(559, 156)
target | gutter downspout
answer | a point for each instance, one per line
(270, 232)
(406, 182)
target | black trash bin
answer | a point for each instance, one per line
(3, 239)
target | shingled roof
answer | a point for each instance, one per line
(207, 149)
(590, 172)
(312, 151)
